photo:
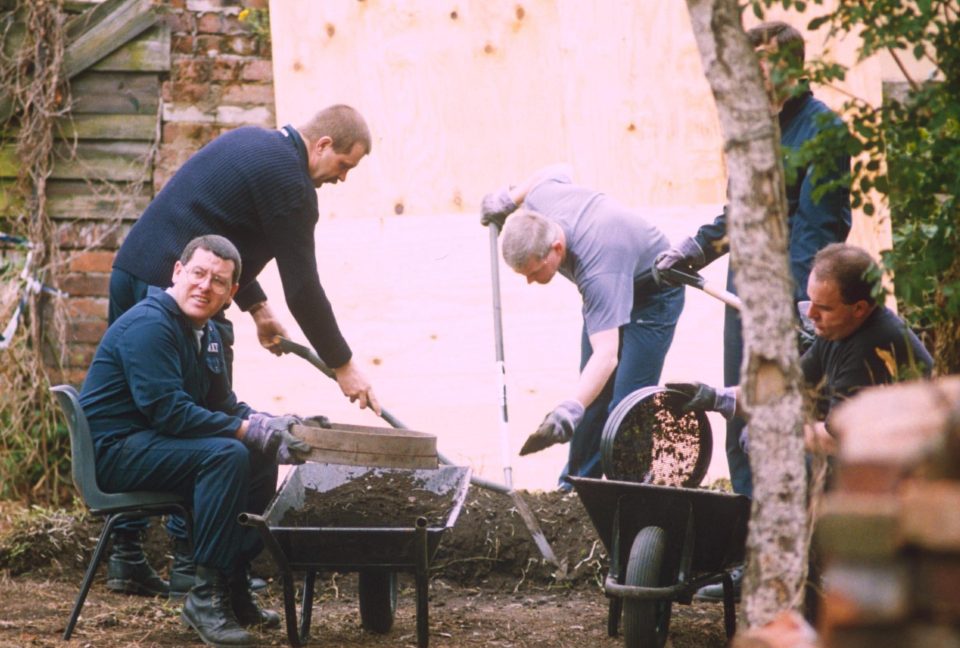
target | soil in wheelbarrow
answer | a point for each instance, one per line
(389, 499)
(657, 444)
(488, 587)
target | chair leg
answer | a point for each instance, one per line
(88, 577)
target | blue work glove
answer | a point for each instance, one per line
(687, 255)
(271, 435)
(704, 398)
(556, 427)
(495, 208)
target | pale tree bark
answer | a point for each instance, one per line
(771, 384)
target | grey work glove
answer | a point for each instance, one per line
(704, 398)
(687, 255)
(318, 420)
(556, 427)
(271, 435)
(495, 208)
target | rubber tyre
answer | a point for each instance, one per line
(646, 623)
(377, 591)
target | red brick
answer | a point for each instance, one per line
(191, 92)
(185, 133)
(89, 331)
(248, 93)
(80, 355)
(232, 26)
(936, 590)
(210, 23)
(255, 4)
(93, 261)
(180, 22)
(196, 70)
(182, 44)
(208, 44)
(258, 70)
(70, 376)
(87, 307)
(226, 69)
(86, 285)
(931, 515)
(869, 477)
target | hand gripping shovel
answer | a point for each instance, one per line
(308, 354)
(694, 280)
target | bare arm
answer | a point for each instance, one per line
(268, 327)
(600, 366)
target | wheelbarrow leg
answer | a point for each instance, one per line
(729, 607)
(614, 612)
(420, 546)
(306, 609)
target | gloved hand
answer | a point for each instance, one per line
(495, 208)
(556, 427)
(271, 436)
(704, 398)
(686, 255)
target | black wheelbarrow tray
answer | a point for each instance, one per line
(664, 543)
(377, 553)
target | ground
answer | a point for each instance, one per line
(488, 587)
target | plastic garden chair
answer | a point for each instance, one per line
(114, 506)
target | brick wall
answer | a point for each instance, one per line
(220, 77)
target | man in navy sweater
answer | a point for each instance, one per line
(256, 187)
(813, 222)
(163, 417)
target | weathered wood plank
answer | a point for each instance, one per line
(148, 53)
(114, 161)
(96, 207)
(115, 92)
(108, 127)
(127, 20)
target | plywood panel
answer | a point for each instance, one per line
(467, 96)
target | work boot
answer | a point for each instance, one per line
(207, 610)
(245, 604)
(128, 570)
(183, 572)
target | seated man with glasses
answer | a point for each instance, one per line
(164, 417)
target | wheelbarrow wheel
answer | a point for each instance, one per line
(377, 591)
(646, 622)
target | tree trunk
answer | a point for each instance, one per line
(771, 388)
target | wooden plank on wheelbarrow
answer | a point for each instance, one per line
(359, 445)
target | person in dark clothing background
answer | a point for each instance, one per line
(813, 223)
(163, 417)
(859, 343)
(256, 187)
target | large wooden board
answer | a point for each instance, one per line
(358, 445)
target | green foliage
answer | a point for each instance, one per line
(906, 153)
(258, 21)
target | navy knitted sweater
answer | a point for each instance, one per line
(252, 186)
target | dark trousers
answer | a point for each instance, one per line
(125, 291)
(644, 343)
(219, 476)
(741, 477)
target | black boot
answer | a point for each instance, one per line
(245, 604)
(207, 610)
(128, 570)
(183, 572)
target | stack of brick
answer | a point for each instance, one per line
(890, 530)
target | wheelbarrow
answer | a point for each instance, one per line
(664, 543)
(378, 553)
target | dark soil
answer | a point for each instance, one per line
(656, 443)
(376, 499)
(488, 587)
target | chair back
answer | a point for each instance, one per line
(82, 459)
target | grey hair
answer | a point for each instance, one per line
(215, 244)
(527, 235)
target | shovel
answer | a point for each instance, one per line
(533, 526)
(694, 280)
